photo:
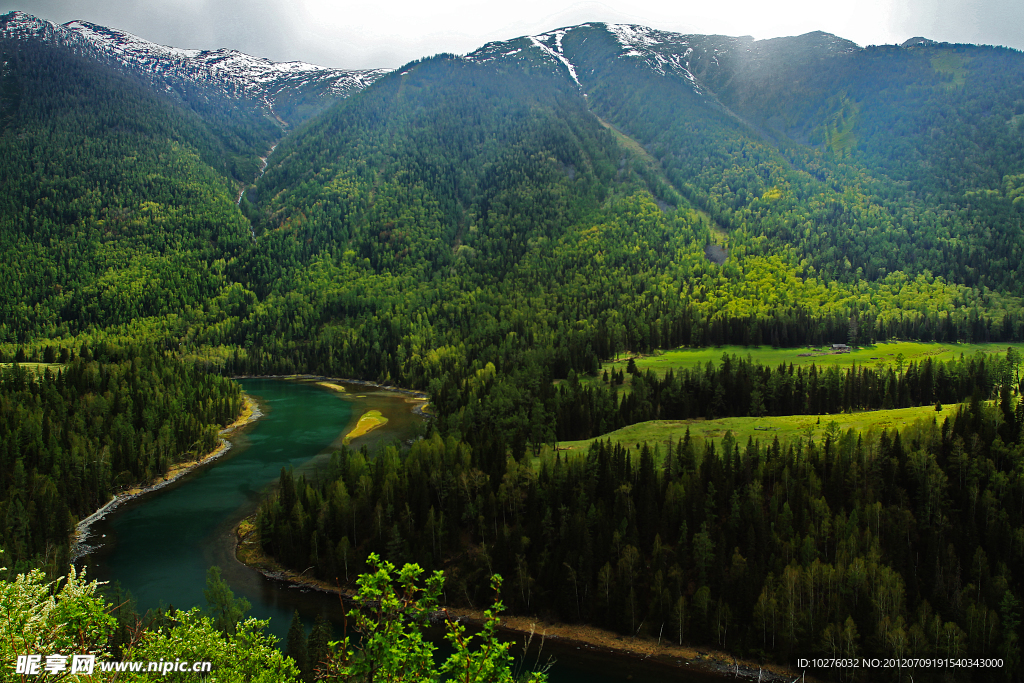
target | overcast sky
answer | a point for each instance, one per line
(365, 34)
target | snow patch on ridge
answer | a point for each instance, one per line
(20, 26)
(557, 55)
(556, 52)
(631, 36)
(124, 43)
(234, 73)
(663, 51)
(524, 48)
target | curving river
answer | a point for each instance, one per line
(160, 545)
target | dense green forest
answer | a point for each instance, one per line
(117, 201)
(891, 543)
(911, 165)
(450, 193)
(75, 434)
(482, 227)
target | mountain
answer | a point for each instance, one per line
(122, 166)
(795, 155)
(897, 136)
(117, 199)
(494, 227)
(289, 91)
(709, 62)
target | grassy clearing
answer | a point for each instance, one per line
(36, 368)
(787, 427)
(371, 419)
(883, 353)
(629, 143)
(951, 63)
(842, 139)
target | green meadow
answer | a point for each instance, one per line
(35, 368)
(663, 432)
(882, 353)
(952, 64)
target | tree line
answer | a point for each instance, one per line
(883, 543)
(738, 387)
(73, 435)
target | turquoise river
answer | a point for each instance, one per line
(160, 545)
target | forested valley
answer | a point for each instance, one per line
(889, 544)
(492, 229)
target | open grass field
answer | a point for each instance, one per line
(36, 368)
(951, 63)
(763, 428)
(883, 353)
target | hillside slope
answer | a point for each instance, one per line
(117, 201)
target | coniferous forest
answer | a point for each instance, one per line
(492, 229)
(102, 422)
(892, 545)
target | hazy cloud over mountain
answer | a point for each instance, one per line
(361, 35)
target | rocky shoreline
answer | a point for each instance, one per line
(80, 546)
(562, 637)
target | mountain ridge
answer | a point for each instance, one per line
(231, 73)
(667, 51)
(295, 90)
(756, 135)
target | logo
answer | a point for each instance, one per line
(33, 665)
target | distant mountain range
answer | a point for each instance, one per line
(848, 164)
(231, 73)
(709, 62)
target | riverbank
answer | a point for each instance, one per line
(562, 636)
(79, 539)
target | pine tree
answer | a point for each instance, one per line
(317, 650)
(297, 645)
(225, 609)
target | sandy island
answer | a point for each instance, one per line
(370, 420)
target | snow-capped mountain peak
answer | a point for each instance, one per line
(233, 73)
(663, 51)
(706, 62)
(545, 46)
